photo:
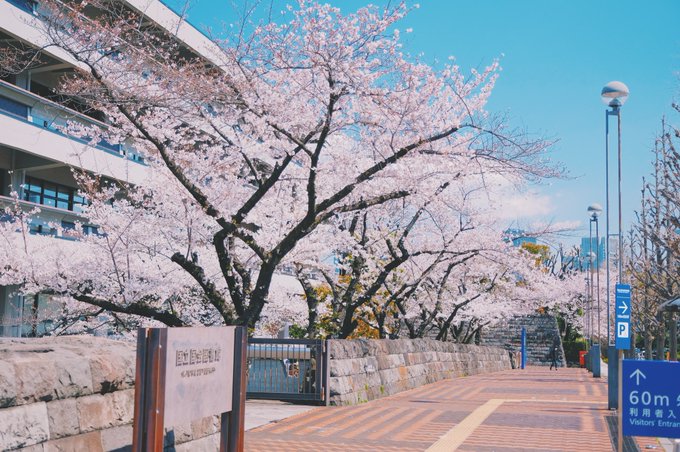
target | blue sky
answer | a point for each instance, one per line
(556, 56)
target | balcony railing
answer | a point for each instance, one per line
(49, 219)
(21, 104)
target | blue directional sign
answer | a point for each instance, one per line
(651, 398)
(622, 317)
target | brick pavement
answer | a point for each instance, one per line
(534, 409)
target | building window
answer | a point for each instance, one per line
(13, 107)
(54, 195)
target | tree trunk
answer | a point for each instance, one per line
(648, 342)
(312, 315)
(673, 332)
(34, 315)
(661, 338)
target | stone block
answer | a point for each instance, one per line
(205, 426)
(371, 365)
(338, 386)
(72, 377)
(90, 442)
(109, 373)
(388, 376)
(177, 434)
(95, 412)
(123, 406)
(8, 384)
(341, 367)
(117, 438)
(23, 426)
(358, 366)
(63, 418)
(35, 380)
(206, 444)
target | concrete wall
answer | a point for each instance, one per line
(367, 369)
(77, 394)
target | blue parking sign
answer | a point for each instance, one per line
(623, 307)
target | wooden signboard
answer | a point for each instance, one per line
(184, 374)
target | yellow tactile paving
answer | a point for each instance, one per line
(458, 434)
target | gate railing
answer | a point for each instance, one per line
(288, 369)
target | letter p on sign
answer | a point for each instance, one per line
(622, 329)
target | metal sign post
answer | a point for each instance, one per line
(185, 374)
(622, 343)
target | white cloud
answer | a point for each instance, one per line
(518, 206)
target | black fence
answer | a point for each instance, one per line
(288, 369)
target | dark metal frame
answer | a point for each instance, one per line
(281, 349)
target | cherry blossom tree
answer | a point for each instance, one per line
(259, 156)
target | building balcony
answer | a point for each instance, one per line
(34, 124)
(51, 221)
(44, 113)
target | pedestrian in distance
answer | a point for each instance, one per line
(554, 351)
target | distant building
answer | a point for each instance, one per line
(600, 251)
(518, 237)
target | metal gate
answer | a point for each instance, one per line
(288, 369)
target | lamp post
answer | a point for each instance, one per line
(591, 292)
(594, 210)
(614, 95)
(586, 307)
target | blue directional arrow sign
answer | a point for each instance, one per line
(651, 398)
(622, 326)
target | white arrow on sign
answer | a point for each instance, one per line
(637, 374)
(625, 307)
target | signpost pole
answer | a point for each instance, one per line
(524, 347)
(149, 391)
(233, 423)
(623, 342)
(619, 411)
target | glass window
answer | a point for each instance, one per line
(54, 195)
(33, 185)
(89, 229)
(33, 197)
(49, 190)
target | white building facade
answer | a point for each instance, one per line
(37, 158)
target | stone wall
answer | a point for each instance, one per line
(77, 394)
(366, 369)
(541, 330)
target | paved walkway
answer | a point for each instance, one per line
(535, 409)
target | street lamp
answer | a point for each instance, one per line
(594, 210)
(591, 290)
(614, 95)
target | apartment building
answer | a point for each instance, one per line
(37, 157)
